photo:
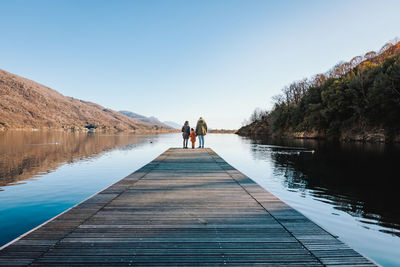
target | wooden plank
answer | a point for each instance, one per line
(186, 207)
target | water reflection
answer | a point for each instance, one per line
(355, 178)
(349, 189)
(24, 155)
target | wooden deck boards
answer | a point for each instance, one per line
(186, 207)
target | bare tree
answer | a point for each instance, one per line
(317, 80)
(356, 60)
(257, 115)
(385, 47)
(332, 73)
(295, 91)
(278, 99)
(370, 54)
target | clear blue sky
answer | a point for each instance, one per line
(178, 60)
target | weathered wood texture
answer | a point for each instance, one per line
(186, 207)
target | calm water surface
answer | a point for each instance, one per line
(349, 189)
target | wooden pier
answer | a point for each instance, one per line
(186, 207)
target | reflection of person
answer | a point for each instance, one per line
(201, 131)
(193, 137)
(185, 134)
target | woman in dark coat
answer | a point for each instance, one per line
(185, 134)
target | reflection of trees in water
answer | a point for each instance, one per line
(24, 155)
(356, 178)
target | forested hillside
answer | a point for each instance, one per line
(358, 100)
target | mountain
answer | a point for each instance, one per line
(173, 124)
(355, 100)
(25, 104)
(149, 120)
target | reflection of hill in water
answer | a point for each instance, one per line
(24, 155)
(356, 178)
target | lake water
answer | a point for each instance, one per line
(347, 188)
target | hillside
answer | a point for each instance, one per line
(25, 104)
(355, 100)
(150, 120)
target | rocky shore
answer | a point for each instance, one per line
(378, 135)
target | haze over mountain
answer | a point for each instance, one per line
(173, 124)
(150, 120)
(25, 104)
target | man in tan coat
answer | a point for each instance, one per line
(201, 131)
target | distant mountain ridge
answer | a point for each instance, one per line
(25, 104)
(150, 120)
(173, 124)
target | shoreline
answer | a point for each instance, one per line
(360, 138)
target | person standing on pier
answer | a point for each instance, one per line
(185, 134)
(201, 131)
